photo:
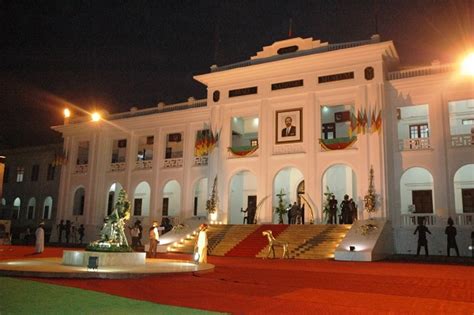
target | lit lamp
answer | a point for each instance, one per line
(93, 263)
(95, 116)
(467, 65)
(67, 114)
(2, 170)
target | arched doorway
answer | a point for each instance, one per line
(340, 180)
(79, 201)
(243, 195)
(416, 191)
(16, 208)
(141, 200)
(287, 184)
(30, 214)
(112, 196)
(171, 205)
(47, 207)
(200, 197)
(464, 189)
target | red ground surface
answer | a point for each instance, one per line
(255, 286)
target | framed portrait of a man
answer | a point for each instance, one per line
(289, 125)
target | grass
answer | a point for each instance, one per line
(19, 296)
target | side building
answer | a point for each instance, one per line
(30, 189)
(299, 119)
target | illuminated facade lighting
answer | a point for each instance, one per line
(95, 116)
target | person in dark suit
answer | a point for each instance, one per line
(422, 241)
(289, 130)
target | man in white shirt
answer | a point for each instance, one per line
(154, 240)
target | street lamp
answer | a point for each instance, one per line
(95, 116)
(467, 65)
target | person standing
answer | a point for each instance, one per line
(61, 228)
(39, 234)
(332, 210)
(134, 233)
(451, 234)
(68, 230)
(201, 244)
(346, 210)
(154, 239)
(81, 233)
(422, 241)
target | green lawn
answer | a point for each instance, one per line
(18, 296)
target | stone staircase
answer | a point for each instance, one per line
(309, 241)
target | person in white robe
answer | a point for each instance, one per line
(39, 234)
(201, 244)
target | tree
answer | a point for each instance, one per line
(212, 202)
(282, 209)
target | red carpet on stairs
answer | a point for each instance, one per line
(255, 242)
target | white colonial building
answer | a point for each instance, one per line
(298, 119)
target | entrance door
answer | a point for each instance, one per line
(468, 200)
(423, 201)
(252, 200)
(165, 207)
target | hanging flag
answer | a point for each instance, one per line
(372, 122)
(378, 121)
(353, 126)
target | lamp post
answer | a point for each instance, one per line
(2, 171)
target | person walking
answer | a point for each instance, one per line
(154, 237)
(39, 243)
(422, 241)
(451, 234)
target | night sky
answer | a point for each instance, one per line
(117, 54)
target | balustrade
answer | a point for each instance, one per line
(81, 168)
(411, 219)
(172, 163)
(201, 160)
(464, 140)
(143, 165)
(118, 167)
(414, 144)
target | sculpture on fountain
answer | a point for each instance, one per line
(112, 234)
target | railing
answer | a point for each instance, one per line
(201, 160)
(465, 219)
(117, 167)
(143, 165)
(414, 144)
(81, 168)
(421, 71)
(161, 108)
(411, 219)
(465, 140)
(172, 163)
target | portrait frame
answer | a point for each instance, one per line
(284, 134)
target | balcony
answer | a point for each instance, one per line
(465, 219)
(465, 140)
(117, 167)
(144, 165)
(173, 163)
(81, 168)
(414, 144)
(411, 219)
(201, 160)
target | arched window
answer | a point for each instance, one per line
(79, 199)
(47, 207)
(30, 215)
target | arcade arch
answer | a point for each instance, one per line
(464, 189)
(30, 214)
(287, 182)
(171, 199)
(243, 195)
(47, 207)
(141, 200)
(416, 191)
(112, 196)
(200, 197)
(78, 202)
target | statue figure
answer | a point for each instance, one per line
(113, 230)
(272, 243)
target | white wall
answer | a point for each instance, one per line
(463, 179)
(172, 191)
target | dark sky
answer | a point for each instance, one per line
(119, 54)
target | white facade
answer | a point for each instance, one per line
(322, 88)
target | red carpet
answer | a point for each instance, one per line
(256, 286)
(255, 242)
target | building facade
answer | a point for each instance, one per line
(30, 188)
(299, 119)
